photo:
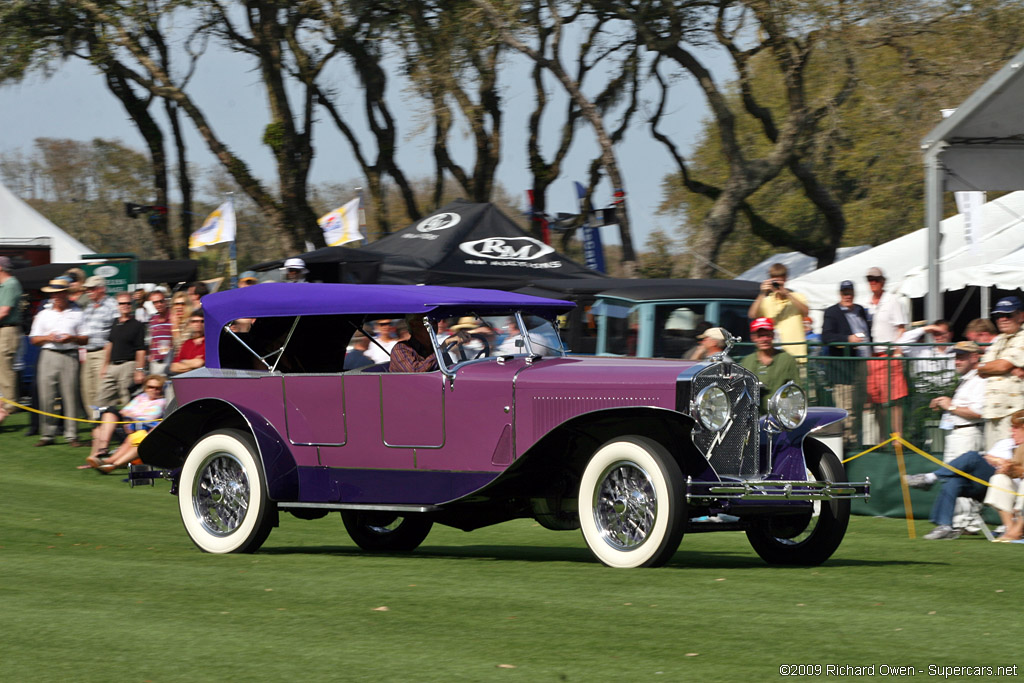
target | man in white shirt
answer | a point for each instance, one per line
(886, 383)
(386, 337)
(931, 367)
(59, 331)
(963, 424)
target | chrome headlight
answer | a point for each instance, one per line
(788, 406)
(713, 408)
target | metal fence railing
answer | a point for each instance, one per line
(884, 393)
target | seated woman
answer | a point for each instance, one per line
(142, 412)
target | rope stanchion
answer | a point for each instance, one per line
(908, 508)
(74, 419)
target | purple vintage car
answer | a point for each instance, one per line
(634, 452)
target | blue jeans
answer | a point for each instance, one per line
(954, 486)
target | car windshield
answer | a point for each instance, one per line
(490, 336)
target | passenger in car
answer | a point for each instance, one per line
(416, 354)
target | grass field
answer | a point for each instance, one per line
(99, 582)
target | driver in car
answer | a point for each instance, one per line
(416, 354)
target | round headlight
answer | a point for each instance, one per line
(713, 409)
(788, 406)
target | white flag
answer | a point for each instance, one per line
(341, 226)
(218, 227)
(969, 204)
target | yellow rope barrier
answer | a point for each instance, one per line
(873, 448)
(953, 469)
(73, 419)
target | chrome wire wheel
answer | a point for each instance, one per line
(220, 495)
(631, 503)
(625, 505)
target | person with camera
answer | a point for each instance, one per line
(785, 308)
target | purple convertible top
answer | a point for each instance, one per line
(286, 299)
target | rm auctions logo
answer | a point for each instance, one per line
(507, 248)
(441, 221)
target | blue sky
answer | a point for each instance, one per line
(74, 103)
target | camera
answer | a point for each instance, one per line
(775, 284)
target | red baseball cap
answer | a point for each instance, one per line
(762, 324)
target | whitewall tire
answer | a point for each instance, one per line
(631, 503)
(222, 494)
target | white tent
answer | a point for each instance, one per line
(905, 258)
(19, 221)
(796, 262)
(1004, 273)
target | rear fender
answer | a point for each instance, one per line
(169, 443)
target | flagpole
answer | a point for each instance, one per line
(232, 250)
(362, 216)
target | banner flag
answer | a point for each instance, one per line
(341, 226)
(593, 250)
(218, 227)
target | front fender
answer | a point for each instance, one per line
(169, 443)
(788, 447)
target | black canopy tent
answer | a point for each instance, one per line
(171, 271)
(472, 245)
(334, 264)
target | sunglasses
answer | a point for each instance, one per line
(874, 278)
(124, 303)
(997, 316)
(156, 387)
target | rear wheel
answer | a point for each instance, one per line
(222, 494)
(811, 538)
(631, 506)
(385, 531)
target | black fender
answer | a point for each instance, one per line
(569, 445)
(169, 443)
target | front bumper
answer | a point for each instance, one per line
(705, 492)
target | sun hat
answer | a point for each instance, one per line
(467, 322)
(95, 281)
(57, 284)
(294, 264)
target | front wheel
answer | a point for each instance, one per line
(385, 532)
(807, 539)
(222, 494)
(631, 506)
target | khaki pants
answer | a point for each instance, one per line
(997, 429)
(10, 337)
(91, 380)
(999, 493)
(57, 375)
(114, 386)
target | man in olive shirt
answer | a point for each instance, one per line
(10, 334)
(772, 367)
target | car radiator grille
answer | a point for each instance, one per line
(733, 451)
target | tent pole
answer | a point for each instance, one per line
(986, 301)
(933, 187)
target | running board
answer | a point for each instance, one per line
(361, 506)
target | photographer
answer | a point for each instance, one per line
(786, 309)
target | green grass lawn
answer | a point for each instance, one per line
(99, 582)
